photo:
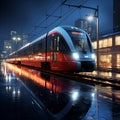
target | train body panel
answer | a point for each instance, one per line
(62, 49)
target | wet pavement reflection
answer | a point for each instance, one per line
(32, 95)
(15, 102)
(104, 74)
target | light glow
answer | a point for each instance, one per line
(93, 95)
(16, 38)
(93, 56)
(75, 95)
(90, 17)
(76, 56)
(77, 33)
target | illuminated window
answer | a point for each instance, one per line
(94, 44)
(101, 43)
(105, 61)
(105, 43)
(118, 60)
(117, 40)
(109, 42)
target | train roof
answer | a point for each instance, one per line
(72, 28)
(61, 29)
(67, 27)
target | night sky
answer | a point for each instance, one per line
(20, 15)
(29, 16)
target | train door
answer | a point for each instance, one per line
(55, 47)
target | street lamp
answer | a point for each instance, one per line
(90, 18)
(16, 39)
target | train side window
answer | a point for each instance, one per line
(40, 47)
(57, 43)
(50, 43)
(30, 50)
(37, 47)
(63, 47)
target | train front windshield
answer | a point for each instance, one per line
(80, 40)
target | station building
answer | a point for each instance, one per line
(109, 50)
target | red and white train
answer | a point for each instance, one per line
(64, 48)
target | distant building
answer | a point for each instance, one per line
(7, 47)
(88, 26)
(18, 41)
(24, 39)
(14, 43)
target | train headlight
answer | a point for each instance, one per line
(76, 56)
(93, 56)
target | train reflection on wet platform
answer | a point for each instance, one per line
(30, 94)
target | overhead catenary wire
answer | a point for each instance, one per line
(45, 24)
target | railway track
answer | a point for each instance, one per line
(89, 78)
(106, 81)
(84, 77)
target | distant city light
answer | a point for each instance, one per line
(16, 38)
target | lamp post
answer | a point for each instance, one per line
(97, 38)
(16, 39)
(90, 18)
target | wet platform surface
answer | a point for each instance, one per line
(27, 94)
(16, 103)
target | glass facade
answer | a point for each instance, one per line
(118, 60)
(94, 44)
(117, 40)
(109, 51)
(106, 61)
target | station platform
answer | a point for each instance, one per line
(16, 103)
(63, 99)
(28, 94)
